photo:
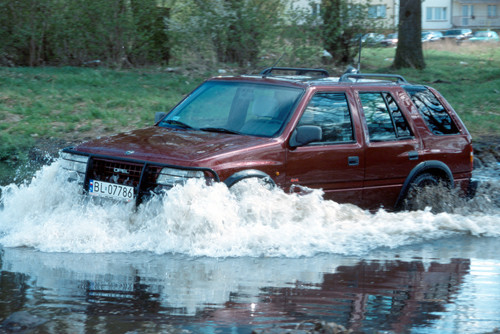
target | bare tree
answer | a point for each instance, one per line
(409, 50)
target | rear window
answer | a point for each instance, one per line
(435, 115)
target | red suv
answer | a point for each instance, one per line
(366, 139)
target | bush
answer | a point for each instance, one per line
(82, 32)
(224, 31)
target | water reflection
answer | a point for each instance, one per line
(391, 295)
(115, 293)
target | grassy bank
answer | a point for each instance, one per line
(73, 104)
(79, 103)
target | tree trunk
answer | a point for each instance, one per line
(409, 50)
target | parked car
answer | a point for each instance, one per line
(431, 36)
(372, 39)
(366, 139)
(457, 34)
(484, 36)
(391, 40)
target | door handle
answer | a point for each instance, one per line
(353, 161)
(413, 155)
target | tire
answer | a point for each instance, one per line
(266, 181)
(425, 191)
(249, 174)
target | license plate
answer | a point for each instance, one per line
(111, 190)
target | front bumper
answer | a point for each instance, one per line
(143, 176)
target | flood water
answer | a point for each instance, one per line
(209, 260)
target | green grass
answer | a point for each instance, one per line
(79, 103)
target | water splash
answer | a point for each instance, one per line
(50, 215)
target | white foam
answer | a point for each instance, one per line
(48, 214)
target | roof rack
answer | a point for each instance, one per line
(346, 76)
(298, 71)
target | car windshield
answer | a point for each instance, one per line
(235, 107)
(453, 32)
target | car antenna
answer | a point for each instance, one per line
(359, 54)
(270, 69)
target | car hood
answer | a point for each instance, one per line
(170, 146)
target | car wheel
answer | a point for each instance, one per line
(426, 190)
(247, 184)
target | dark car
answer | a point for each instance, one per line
(372, 39)
(367, 139)
(431, 36)
(457, 35)
(391, 40)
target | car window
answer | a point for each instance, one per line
(435, 115)
(239, 107)
(383, 117)
(330, 111)
(402, 127)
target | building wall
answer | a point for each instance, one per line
(476, 14)
(436, 14)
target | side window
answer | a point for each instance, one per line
(383, 117)
(330, 111)
(402, 128)
(435, 115)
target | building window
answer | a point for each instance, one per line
(492, 11)
(468, 11)
(377, 12)
(436, 13)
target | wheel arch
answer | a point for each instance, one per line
(247, 174)
(434, 167)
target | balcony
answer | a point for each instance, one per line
(477, 22)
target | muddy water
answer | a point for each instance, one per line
(209, 260)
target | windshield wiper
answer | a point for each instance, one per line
(221, 130)
(177, 123)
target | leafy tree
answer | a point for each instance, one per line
(76, 32)
(299, 41)
(343, 24)
(24, 30)
(409, 49)
(231, 31)
(150, 40)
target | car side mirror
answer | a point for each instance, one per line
(305, 134)
(159, 115)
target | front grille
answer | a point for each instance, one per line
(140, 175)
(119, 172)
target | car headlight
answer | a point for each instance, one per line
(171, 176)
(75, 164)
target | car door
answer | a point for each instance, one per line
(392, 150)
(335, 162)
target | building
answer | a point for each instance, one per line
(436, 14)
(475, 14)
(384, 10)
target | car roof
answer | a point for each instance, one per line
(306, 77)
